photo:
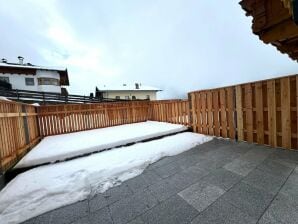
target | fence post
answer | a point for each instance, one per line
(190, 112)
(25, 122)
(43, 97)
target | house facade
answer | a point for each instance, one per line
(33, 78)
(127, 92)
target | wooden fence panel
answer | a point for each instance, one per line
(60, 119)
(172, 111)
(263, 112)
(18, 132)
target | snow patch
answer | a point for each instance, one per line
(45, 188)
(61, 147)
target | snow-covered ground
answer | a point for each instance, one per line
(51, 186)
(61, 147)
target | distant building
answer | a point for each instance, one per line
(128, 92)
(31, 77)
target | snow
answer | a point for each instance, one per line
(61, 147)
(48, 187)
(14, 65)
(126, 87)
(4, 98)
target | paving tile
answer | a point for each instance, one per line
(116, 193)
(129, 208)
(286, 155)
(222, 178)
(142, 181)
(163, 190)
(201, 194)
(97, 202)
(42, 219)
(101, 216)
(168, 170)
(248, 198)
(291, 190)
(161, 162)
(84, 220)
(257, 154)
(172, 211)
(275, 168)
(282, 210)
(240, 166)
(137, 221)
(263, 180)
(212, 164)
(222, 212)
(70, 213)
(187, 177)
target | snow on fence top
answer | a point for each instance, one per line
(61, 147)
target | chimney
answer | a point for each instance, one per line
(137, 86)
(4, 60)
(21, 60)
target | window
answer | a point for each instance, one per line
(148, 97)
(29, 81)
(5, 79)
(48, 81)
(117, 97)
(134, 97)
(127, 97)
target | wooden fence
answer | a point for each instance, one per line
(60, 119)
(263, 112)
(172, 111)
(19, 131)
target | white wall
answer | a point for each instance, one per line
(18, 81)
(48, 74)
(138, 94)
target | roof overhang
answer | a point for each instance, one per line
(274, 23)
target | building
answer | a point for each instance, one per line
(128, 92)
(33, 78)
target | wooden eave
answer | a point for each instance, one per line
(273, 23)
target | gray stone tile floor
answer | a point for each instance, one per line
(220, 181)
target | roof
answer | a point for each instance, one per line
(30, 68)
(274, 23)
(127, 87)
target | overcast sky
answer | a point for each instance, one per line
(176, 45)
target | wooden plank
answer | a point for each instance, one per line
(285, 113)
(259, 112)
(215, 99)
(271, 101)
(230, 112)
(223, 115)
(204, 113)
(210, 114)
(199, 112)
(249, 112)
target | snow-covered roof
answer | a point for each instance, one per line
(20, 68)
(128, 87)
(30, 66)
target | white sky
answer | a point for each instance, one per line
(176, 45)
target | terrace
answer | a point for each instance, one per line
(225, 155)
(220, 181)
(171, 175)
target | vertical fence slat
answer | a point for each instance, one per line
(285, 112)
(271, 99)
(259, 112)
